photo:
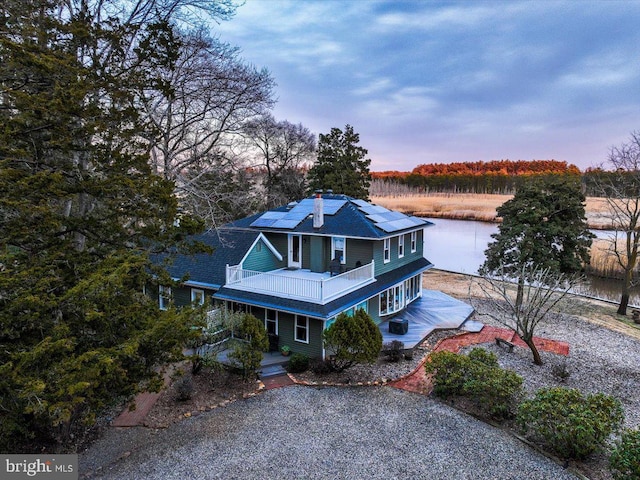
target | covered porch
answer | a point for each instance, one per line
(434, 310)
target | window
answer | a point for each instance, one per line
(362, 306)
(414, 241)
(164, 296)
(338, 250)
(412, 288)
(392, 300)
(302, 329)
(329, 322)
(197, 296)
(383, 303)
(271, 321)
(401, 246)
(387, 250)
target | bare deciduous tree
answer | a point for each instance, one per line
(542, 290)
(284, 150)
(621, 188)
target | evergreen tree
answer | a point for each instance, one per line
(79, 211)
(341, 164)
(544, 227)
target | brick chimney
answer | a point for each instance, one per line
(318, 210)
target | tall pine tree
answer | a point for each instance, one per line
(341, 164)
(79, 212)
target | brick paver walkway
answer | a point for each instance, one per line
(418, 381)
(277, 381)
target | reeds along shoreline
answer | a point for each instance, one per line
(482, 208)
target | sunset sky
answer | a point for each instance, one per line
(438, 82)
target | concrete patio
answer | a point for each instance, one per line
(434, 310)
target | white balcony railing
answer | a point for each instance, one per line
(300, 284)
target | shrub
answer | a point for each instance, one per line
(477, 376)
(449, 372)
(321, 367)
(184, 389)
(568, 423)
(625, 458)
(393, 350)
(350, 340)
(249, 354)
(298, 363)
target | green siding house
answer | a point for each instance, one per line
(298, 266)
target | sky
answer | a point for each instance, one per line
(440, 82)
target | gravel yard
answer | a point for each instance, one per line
(320, 433)
(377, 431)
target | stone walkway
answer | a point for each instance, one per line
(418, 381)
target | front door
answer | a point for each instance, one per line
(295, 251)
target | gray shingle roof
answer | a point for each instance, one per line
(348, 221)
(229, 247)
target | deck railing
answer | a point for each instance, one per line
(297, 286)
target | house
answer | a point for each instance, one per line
(299, 266)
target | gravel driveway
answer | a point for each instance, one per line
(311, 433)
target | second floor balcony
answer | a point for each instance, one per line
(300, 284)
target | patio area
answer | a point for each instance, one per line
(435, 310)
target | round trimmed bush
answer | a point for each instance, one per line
(568, 423)
(298, 363)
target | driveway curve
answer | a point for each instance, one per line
(320, 433)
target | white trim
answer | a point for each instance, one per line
(414, 241)
(343, 260)
(295, 329)
(400, 246)
(290, 243)
(276, 319)
(194, 293)
(264, 239)
(164, 297)
(386, 250)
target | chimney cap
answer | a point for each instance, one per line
(330, 191)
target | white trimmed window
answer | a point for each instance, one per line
(414, 241)
(271, 321)
(392, 300)
(339, 249)
(301, 333)
(387, 250)
(401, 246)
(164, 296)
(197, 296)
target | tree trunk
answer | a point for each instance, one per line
(626, 285)
(520, 294)
(534, 350)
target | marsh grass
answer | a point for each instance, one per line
(482, 207)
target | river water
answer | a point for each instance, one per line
(459, 245)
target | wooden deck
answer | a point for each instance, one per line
(434, 310)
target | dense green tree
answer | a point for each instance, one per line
(341, 164)
(79, 212)
(543, 226)
(352, 339)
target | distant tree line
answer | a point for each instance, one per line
(496, 177)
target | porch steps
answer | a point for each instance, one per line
(272, 371)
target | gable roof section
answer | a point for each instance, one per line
(383, 282)
(230, 246)
(344, 216)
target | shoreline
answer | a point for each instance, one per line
(477, 207)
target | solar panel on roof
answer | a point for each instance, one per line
(263, 222)
(272, 214)
(286, 224)
(331, 207)
(373, 209)
(361, 203)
